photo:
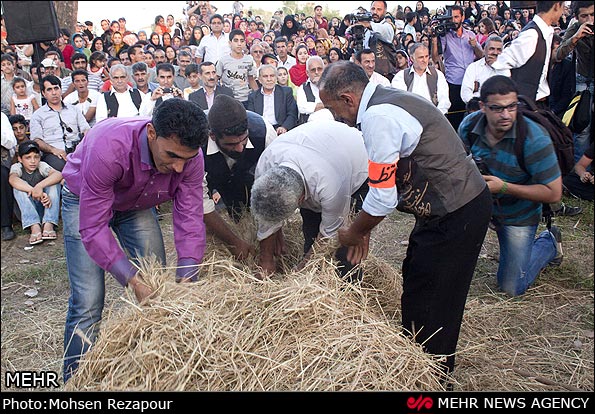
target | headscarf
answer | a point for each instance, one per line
(286, 31)
(298, 73)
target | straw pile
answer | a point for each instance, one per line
(299, 331)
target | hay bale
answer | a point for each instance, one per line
(300, 331)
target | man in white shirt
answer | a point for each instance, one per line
(367, 60)
(308, 99)
(420, 79)
(528, 56)
(318, 167)
(481, 70)
(283, 57)
(83, 98)
(127, 100)
(215, 45)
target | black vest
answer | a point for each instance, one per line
(527, 76)
(438, 177)
(112, 103)
(303, 118)
(235, 184)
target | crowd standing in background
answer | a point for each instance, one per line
(259, 81)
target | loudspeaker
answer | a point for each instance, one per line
(30, 21)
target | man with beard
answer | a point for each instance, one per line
(378, 23)
(237, 139)
(460, 48)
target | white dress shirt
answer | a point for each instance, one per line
(212, 48)
(479, 71)
(523, 47)
(331, 158)
(126, 107)
(420, 87)
(378, 79)
(305, 107)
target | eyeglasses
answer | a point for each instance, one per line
(258, 52)
(499, 109)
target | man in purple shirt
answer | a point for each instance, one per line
(121, 170)
(459, 49)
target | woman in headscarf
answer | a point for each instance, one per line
(78, 43)
(289, 27)
(310, 41)
(335, 54)
(298, 73)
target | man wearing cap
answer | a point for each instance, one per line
(319, 167)
(118, 174)
(56, 127)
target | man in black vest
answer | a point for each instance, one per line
(528, 56)
(121, 100)
(418, 164)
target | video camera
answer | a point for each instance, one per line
(357, 30)
(442, 25)
(360, 17)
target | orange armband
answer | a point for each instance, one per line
(382, 175)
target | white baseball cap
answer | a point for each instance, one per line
(48, 63)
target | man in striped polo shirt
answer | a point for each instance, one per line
(518, 192)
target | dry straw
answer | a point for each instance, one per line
(299, 331)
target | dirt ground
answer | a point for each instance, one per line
(542, 341)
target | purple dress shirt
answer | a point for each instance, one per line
(457, 54)
(112, 170)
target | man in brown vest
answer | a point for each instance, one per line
(418, 164)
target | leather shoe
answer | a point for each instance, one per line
(8, 233)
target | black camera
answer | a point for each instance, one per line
(360, 17)
(481, 165)
(70, 146)
(358, 31)
(443, 25)
(167, 90)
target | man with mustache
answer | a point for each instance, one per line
(517, 191)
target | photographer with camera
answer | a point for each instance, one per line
(578, 40)
(363, 24)
(56, 127)
(459, 49)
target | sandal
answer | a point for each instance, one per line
(35, 238)
(49, 235)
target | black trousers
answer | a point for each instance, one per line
(437, 273)
(456, 112)
(7, 199)
(311, 227)
(53, 161)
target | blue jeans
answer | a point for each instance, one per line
(581, 140)
(138, 233)
(33, 212)
(522, 256)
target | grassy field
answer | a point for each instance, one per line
(541, 341)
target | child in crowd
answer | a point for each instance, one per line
(36, 188)
(20, 127)
(237, 71)
(193, 79)
(22, 102)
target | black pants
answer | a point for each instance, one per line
(53, 161)
(437, 273)
(7, 200)
(457, 106)
(311, 227)
(577, 188)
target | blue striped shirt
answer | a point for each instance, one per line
(540, 160)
